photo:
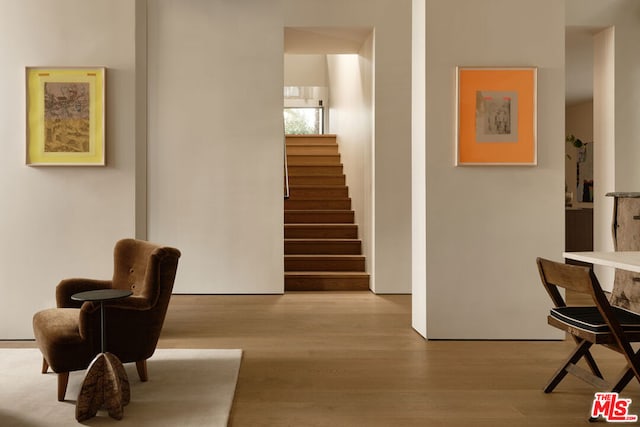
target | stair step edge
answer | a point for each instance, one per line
(320, 210)
(317, 186)
(314, 144)
(328, 274)
(321, 225)
(326, 257)
(319, 239)
(342, 199)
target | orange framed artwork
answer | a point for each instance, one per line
(496, 116)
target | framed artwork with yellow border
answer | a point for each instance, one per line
(496, 116)
(65, 116)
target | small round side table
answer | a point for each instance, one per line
(106, 383)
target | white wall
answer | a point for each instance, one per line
(391, 200)
(604, 112)
(59, 222)
(351, 113)
(215, 135)
(418, 169)
(486, 225)
(215, 142)
(604, 130)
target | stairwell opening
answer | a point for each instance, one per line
(328, 215)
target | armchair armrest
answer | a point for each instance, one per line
(68, 287)
(132, 330)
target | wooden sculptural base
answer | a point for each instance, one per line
(105, 386)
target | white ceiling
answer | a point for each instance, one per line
(325, 40)
(338, 40)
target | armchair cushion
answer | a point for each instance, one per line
(58, 336)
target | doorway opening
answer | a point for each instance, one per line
(328, 97)
(589, 143)
(579, 140)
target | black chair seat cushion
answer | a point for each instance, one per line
(590, 319)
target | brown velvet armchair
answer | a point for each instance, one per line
(69, 336)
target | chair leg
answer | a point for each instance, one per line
(624, 379)
(141, 366)
(45, 366)
(590, 360)
(593, 365)
(580, 350)
(63, 380)
(632, 370)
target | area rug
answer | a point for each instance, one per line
(185, 388)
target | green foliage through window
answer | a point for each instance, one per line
(303, 121)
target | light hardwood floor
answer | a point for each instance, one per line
(352, 359)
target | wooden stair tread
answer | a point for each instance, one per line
(311, 144)
(325, 139)
(313, 231)
(324, 263)
(301, 205)
(317, 186)
(322, 247)
(304, 144)
(317, 180)
(324, 204)
(315, 160)
(312, 149)
(315, 191)
(320, 200)
(333, 156)
(324, 256)
(319, 225)
(313, 155)
(315, 170)
(320, 210)
(326, 273)
(319, 239)
(326, 281)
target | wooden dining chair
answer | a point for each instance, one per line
(601, 323)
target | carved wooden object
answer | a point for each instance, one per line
(626, 237)
(105, 386)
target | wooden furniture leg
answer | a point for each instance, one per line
(141, 366)
(63, 380)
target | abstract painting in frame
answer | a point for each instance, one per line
(496, 116)
(65, 116)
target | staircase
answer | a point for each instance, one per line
(321, 247)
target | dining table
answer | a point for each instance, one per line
(624, 260)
